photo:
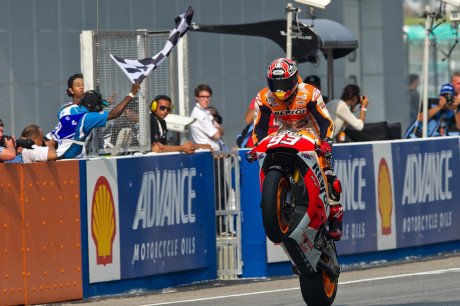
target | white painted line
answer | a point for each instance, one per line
(401, 275)
(297, 288)
(223, 297)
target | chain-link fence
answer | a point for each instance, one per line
(131, 131)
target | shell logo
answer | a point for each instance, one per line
(385, 197)
(103, 225)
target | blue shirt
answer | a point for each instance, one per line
(443, 119)
(75, 124)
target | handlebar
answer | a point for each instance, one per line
(251, 156)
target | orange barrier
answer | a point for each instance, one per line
(44, 235)
(12, 281)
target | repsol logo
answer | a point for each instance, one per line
(290, 112)
(319, 175)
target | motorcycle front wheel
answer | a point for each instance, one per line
(274, 217)
(318, 289)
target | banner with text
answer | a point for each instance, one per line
(166, 205)
(396, 194)
(426, 191)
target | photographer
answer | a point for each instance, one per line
(37, 148)
(342, 110)
(7, 150)
(443, 117)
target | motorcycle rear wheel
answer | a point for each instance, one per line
(276, 223)
(318, 289)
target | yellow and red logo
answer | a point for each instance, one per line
(103, 221)
(385, 197)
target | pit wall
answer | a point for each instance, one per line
(83, 228)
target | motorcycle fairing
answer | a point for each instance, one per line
(301, 251)
(284, 151)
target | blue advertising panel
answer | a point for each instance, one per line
(167, 215)
(354, 166)
(427, 191)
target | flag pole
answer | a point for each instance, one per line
(426, 54)
(289, 10)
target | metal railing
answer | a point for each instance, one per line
(228, 214)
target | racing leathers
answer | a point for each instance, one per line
(305, 110)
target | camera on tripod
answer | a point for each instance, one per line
(23, 143)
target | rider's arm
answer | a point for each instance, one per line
(261, 124)
(318, 109)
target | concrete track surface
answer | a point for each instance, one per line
(432, 281)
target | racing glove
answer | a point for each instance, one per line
(251, 156)
(325, 149)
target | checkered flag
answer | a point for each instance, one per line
(137, 70)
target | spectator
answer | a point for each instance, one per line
(455, 82)
(160, 107)
(40, 151)
(75, 89)
(341, 111)
(7, 150)
(205, 129)
(414, 95)
(74, 128)
(315, 81)
(217, 119)
(443, 117)
(124, 131)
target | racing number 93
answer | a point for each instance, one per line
(289, 140)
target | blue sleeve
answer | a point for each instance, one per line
(94, 120)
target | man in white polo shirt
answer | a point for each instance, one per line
(205, 130)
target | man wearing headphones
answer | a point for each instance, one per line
(74, 128)
(161, 107)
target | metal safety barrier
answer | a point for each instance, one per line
(228, 214)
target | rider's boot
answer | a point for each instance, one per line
(335, 222)
(336, 210)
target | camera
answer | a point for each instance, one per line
(449, 98)
(23, 143)
(46, 139)
(361, 98)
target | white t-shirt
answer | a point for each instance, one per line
(341, 113)
(36, 154)
(203, 128)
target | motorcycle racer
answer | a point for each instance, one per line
(300, 106)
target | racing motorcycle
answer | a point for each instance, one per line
(295, 210)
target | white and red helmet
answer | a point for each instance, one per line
(282, 78)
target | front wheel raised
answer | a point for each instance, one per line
(275, 219)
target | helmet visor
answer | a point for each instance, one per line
(281, 85)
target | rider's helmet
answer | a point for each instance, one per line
(282, 78)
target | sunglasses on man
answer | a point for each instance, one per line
(162, 108)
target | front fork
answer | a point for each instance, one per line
(297, 189)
